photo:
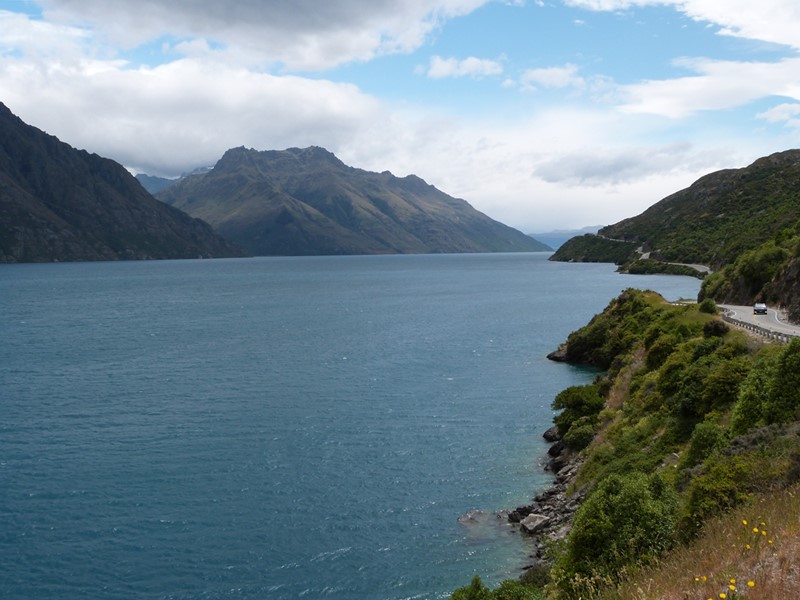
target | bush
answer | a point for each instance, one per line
(784, 395)
(581, 433)
(706, 438)
(724, 483)
(715, 328)
(748, 412)
(660, 350)
(708, 306)
(629, 519)
(474, 591)
(721, 386)
(575, 402)
(508, 590)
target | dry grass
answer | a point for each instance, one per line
(755, 550)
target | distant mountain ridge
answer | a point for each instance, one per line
(305, 201)
(62, 204)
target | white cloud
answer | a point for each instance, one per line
(788, 114)
(718, 85)
(301, 34)
(40, 40)
(440, 68)
(768, 20)
(604, 166)
(180, 115)
(552, 77)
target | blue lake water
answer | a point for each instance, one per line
(280, 427)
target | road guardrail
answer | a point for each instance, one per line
(783, 338)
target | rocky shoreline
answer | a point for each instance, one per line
(549, 517)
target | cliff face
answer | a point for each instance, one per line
(62, 204)
(307, 201)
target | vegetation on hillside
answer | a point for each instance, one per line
(690, 420)
(720, 216)
(592, 248)
(769, 273)
(743, 223)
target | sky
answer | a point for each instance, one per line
(541, 114)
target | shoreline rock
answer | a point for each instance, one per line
(549, 517)
(559, 355)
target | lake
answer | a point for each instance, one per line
(307, 427)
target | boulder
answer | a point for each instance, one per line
(534, 523)
(552, 434)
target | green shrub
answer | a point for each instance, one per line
(715, 328)
(508, 590)
(784, 395)
(575, 402)
(581, 433)
(726, 481)
(474, 591)
(515, 590)
(748, 412)
(721, 386)
(629, 519)
(706, 438)
(660, 350)
(708, 306)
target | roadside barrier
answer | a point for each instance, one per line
(782, 338)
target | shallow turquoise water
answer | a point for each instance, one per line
(279, 427)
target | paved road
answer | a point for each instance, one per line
(769, 321)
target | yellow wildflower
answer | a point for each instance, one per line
(723, 595)
(751, 584)
(744, 521)
(755, 529)
(763, 532)
(733, 581)
(732, 588)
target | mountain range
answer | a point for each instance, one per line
(305, 201)
(62, 204)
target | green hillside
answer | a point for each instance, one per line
(720, 216)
